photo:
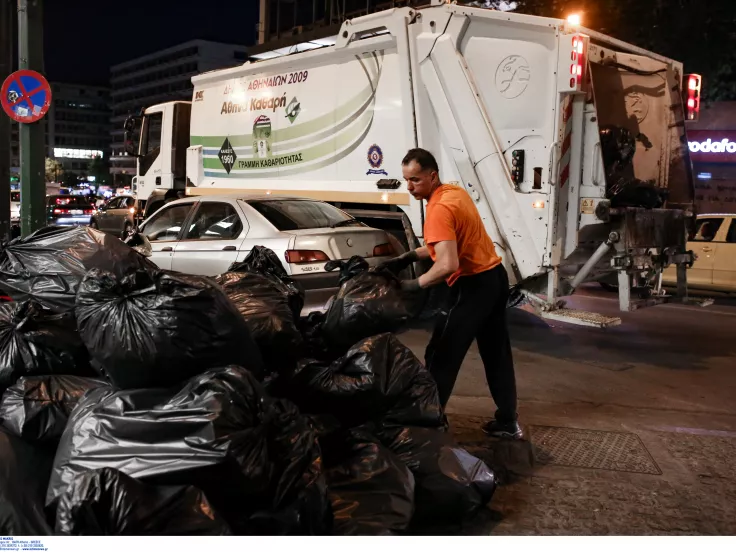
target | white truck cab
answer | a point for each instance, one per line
(571, 143)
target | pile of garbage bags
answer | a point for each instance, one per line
(140, 401)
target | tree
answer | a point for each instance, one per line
(70, 180)
(53, 170)
(99, 169)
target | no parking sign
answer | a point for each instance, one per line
(25, 96)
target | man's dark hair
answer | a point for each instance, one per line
(422, 158)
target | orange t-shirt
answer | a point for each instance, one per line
(452, 216)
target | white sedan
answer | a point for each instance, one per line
(205, 235)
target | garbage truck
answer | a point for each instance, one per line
(571, 143)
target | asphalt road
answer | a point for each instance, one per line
(630, 430)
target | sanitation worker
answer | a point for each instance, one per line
(464, 256)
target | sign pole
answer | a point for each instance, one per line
(32, 141)
(6, 66)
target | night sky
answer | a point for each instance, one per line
(83, 38)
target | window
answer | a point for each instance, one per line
(731, 236)
(215, 221)
(68, 200)
(706, 229)
(113, 203)
(166, 225)
(151, 142)
(298, 214)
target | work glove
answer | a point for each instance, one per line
(397, 264)
(410, 286)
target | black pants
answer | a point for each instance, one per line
(476, 309)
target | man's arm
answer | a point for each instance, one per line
(444, 265)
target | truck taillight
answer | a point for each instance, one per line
(693, 84)
(573, 62)
(297, 256)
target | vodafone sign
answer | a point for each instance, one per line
(724, 146)
(712, 146)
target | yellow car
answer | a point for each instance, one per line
(714, 243)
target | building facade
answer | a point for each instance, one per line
(712, 144)
(77, 128)
(160, 77)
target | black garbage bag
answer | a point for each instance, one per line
(49, 264)
(379, 379)
(24, 474)
(36, 342)
(265, 306)
(618, 147)
(37, 408)
(636, 193)
(256, 458)
(349, 269)
(108, 502)
(452, 485)
(155, 328)
(368, 303)
(263, 261)
(371, 490)
(139, 242)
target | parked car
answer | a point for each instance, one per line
(205, 235)
(68, 210)
(14, 207)
(714, 242)
(119, 215)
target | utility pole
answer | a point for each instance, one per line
(32, 142)
(6, 67)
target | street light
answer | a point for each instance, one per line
(574, 19)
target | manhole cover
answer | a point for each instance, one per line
(585, 448)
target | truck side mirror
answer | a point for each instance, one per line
(130, 136)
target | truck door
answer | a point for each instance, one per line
(151, 162)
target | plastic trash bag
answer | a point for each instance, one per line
(139, 242)
(263, 261)
(348, 269)
(35, 342)
(108, 502)
(256, 458)
(49, 264)
(267, 305)
(371, 491)
(154, 328)
(38, 408)
(618, 147)
(379, 379)
(451, 484)
(368, 303)
(24, 473)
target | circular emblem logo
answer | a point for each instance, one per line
(637, 105)
(349, 241)
(375, 156)
(512, 77)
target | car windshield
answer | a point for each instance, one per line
(300, 214)
(14, 196)
(68, 200)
